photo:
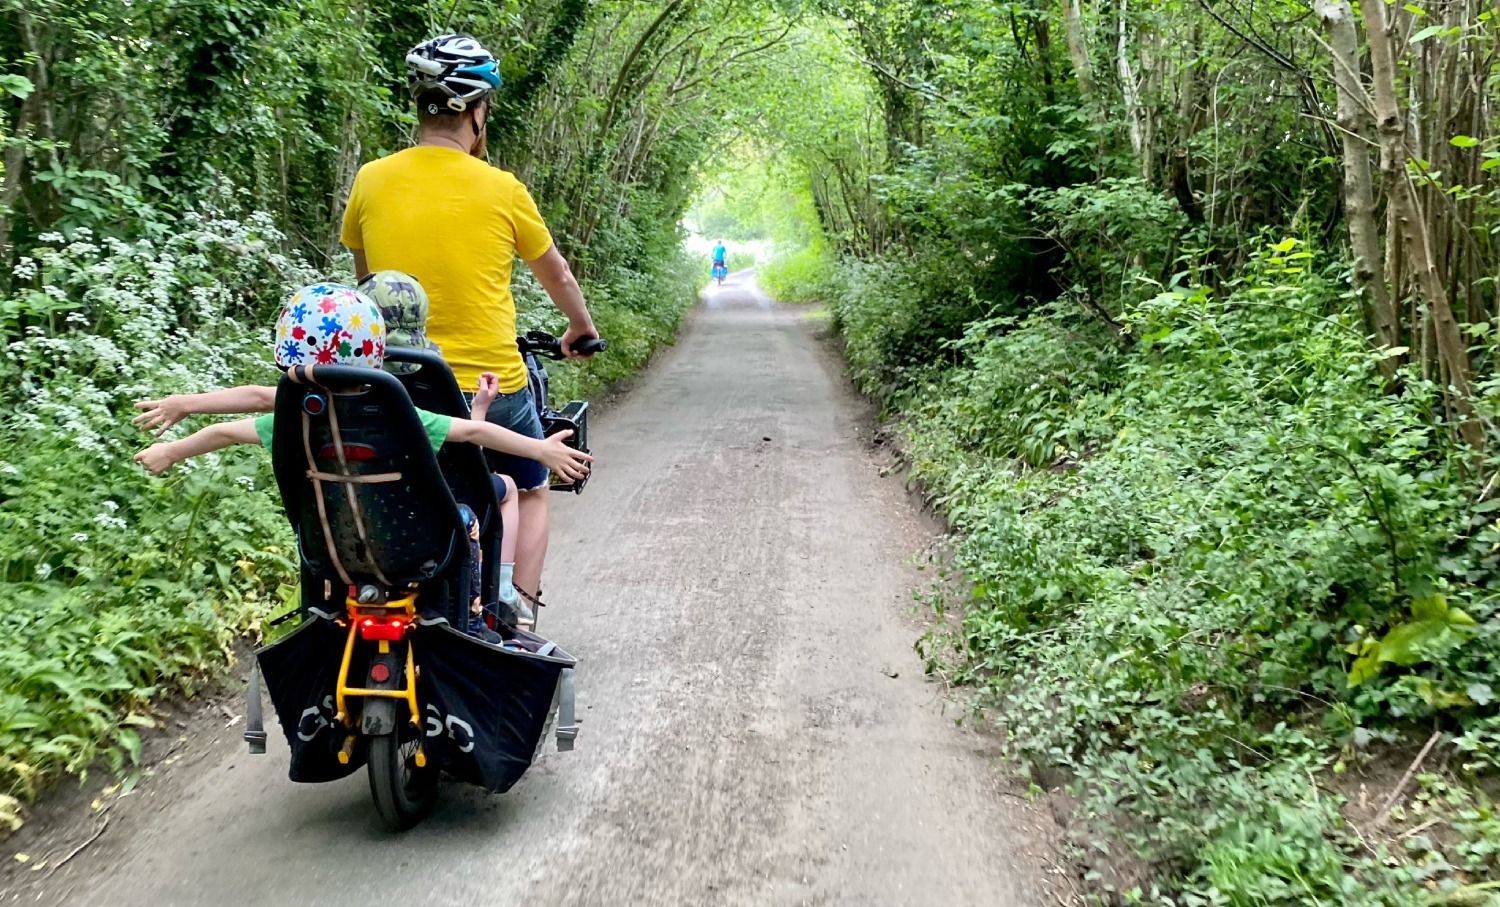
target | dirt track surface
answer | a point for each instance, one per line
(756, 729)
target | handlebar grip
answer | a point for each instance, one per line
(587, 346)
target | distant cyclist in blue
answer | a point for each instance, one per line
(720, 270)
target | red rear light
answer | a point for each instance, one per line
(351, 452)
(388, 630)
(380, 672)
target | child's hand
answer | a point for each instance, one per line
(157, 458)
(562, 459)
(160, 414)
(489, 389)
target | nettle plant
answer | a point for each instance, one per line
(117, 588)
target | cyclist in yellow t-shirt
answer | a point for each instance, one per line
(439, 212)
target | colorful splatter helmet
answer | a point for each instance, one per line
(403, 305)
(330, 324)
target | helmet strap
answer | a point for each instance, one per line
(481, 133)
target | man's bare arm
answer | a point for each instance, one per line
(553, 273)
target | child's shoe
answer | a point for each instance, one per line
(479, 630)
(516, 614)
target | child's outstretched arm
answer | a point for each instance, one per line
(551, 452)
(159, 457)
(489, 389)
(168, 411)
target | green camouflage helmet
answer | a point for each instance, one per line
(403, 304)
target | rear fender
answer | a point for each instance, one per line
(378, 714)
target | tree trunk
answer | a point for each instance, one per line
(1078, 52)
(346, 169)
(15, 160)
(1407, 216)
(1129, 88)
(1359, 189)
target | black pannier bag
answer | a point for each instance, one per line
(301, 671)
(485, 708)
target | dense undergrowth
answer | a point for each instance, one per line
(1213, 572)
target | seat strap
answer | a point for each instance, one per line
(376, 479)
(328, 543)
(355, 509)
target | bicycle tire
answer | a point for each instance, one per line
(404, 794)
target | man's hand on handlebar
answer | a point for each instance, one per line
(575, 333)
(557, 456)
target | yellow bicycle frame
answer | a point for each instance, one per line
(342, 690)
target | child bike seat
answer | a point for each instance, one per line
(362, 488)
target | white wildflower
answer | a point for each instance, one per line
(108, 522)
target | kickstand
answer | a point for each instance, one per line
(255, 726)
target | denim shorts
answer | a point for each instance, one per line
(516, 412)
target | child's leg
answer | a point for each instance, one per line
(510, 521)
(476, 571)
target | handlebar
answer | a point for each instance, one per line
(544, 344)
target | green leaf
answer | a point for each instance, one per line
(1365, 667)
(1439, 697)
(1489, 506)
(1459, 141)
(1406, 644)
(18, 86)
(130, 741)
(1425, 33)
(1430, 607)
(1481, 693)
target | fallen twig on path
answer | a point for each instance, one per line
(79, 849)
(1411, 771)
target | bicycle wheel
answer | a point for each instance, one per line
(404, 793)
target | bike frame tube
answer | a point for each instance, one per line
(343, 691)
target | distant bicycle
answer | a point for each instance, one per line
(719, 272)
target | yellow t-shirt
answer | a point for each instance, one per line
(456, 224)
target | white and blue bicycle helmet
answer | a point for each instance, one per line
(455, 67)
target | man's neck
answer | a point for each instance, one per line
(442, 140)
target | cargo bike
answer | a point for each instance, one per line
(378, 674)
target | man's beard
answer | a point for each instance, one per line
(481, 134)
